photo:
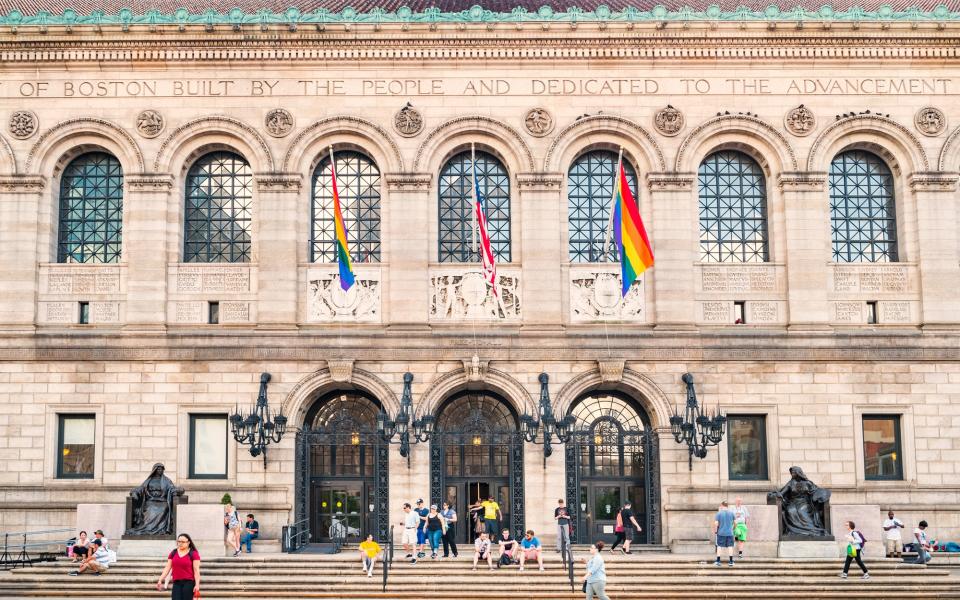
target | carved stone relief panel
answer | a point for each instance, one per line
(279, 122)
(800, 121)
(930, 120)
(408, 121)
(595, 296)
(23, 124)
(538, 121)
(668, 121)
(150, 123)
(328, 301)
(461, 292)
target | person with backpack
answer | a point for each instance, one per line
(855, 542)
(184, 563)
(231, 521)
(509, 548)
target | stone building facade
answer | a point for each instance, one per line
(796, 172)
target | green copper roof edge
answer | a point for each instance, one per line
(476, 14)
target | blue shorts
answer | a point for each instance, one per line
(724, 541)
(422, 537)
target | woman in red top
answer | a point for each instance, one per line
(184, 563)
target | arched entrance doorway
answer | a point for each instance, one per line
(612, 457)
(476, 451)
(342, 469)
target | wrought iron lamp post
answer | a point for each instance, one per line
(261, 426)
(399, 427)
(561, 428)
(696, 429)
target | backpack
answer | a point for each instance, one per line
(863, 538)
(189, 555)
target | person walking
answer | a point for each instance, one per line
(450, 535)
(184, 563)
(434, 529)
(855, 542)
(595, 580)
(369, 550)
(892, 536)
(922, 543)
(618, 531)
(421, 528)
(562, 516)
(630, 525)
(410, 522)
(723, 531)
(740, 518)
(491, 517)
(481, 551)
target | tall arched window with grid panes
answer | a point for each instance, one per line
(90, 224)
(863, 220)
(733, 209)
(217, 216)
(456, 220)
(358, 187)
(589, 197)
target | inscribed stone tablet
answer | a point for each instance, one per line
(60, 312)
(104, 312)
(190, 312)
(108, 282)
(895, 279)
(84, 283)
(845, 280)
(188, 280)
(234, 312)
(849, 312)
(763, 312)
(59, 282)
(894, 312)
(717, 312)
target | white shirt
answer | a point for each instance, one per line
(741, 514)
(412, 520)
(894, 532)
(921, 535)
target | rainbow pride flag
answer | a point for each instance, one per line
(636, 256)
(343, 252)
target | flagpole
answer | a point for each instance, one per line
(613, 199)
(473, 209)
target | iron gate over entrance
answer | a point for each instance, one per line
(476, 451)
(342, 469)
(612, 457)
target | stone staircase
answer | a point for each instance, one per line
(651, 575)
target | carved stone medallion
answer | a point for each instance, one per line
(279, 122)
(150, 123)
(668, 121)
(408, 121)
(930, 120)
(800, 121)
(23, 124)
(538, 122)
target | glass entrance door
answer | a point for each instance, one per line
(599, 504)
(339, 510)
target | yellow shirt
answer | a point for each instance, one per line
(490, 509)
(371, 548)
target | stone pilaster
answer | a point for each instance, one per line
(277, 293)
(935, 198)
(672, 235)
(807, 229)
(543, 251)
(407, 246)
(20, 204)
(146, 204)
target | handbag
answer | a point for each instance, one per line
(584, 587)
(851, 551)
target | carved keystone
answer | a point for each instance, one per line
(475, 368)
(611, 371)
(341, 370)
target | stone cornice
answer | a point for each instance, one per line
(802, 181)
(279, 182)
(933, 181)
(408, 181)
(677, 182)
(22, 183)
(678, 39)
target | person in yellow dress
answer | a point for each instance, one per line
(369, 550)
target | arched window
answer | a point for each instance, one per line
(863, 220)
(91, 210)
(358, 186)
(589, 195)
(219, 200)
(345, 414)
(456, 207)
(605, 418)
(480, 444)
(733, 209)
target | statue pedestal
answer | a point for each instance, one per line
(108, 517)
(808, 549)
(145, 548)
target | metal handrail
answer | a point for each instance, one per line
(566, 550)
(341, 536)
(296, 536)
(23, 558)
(388, 559)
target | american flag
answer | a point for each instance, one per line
(486, 251)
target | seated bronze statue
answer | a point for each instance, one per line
(802, 507)
(153, 505)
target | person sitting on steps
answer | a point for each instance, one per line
(482, 551)
(531, 549)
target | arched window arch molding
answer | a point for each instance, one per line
(57, 148)
(493, 380)
(598, 131)
(502, 139)
(748, 134)
(315, 385)
(949, 159)
(306, 148)
(8, 160)
(180, 149)
(641, 388)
